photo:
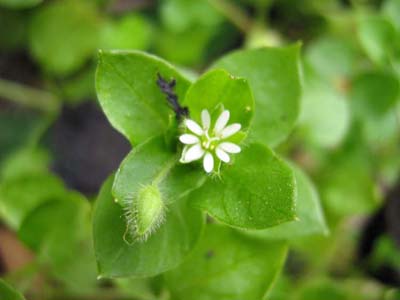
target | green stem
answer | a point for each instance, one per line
(28, 96)
(235, 14)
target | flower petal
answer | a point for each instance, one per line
(229, 147)
(222, 155)
(194, 127)
(184, 150)
(208, 162)
(221, 121)
(230, 130)
(188, 139)
(193, 153)
(205, 119)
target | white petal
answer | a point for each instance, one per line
(193, 153)
(221, 121)
(229, 147)
(182, 159)
(222, 155)
(193, 127)
(230, 130)
(205, 118)
(208, 162)
(188, 139)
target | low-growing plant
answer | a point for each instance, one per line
(224, 159)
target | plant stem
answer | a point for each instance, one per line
(237, 16)
(28, 96)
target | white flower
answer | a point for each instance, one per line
(209, 144)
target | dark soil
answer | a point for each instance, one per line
(86, 148)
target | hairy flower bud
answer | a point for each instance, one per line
(145, 213)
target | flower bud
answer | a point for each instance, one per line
(145, 213)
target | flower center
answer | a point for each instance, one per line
(209, 143)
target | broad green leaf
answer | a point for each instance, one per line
(377, 36)
(381, 131)
(257, 191)
(227, 265)
(385, 252)
(388, 166)
(138, 288)
(325, 113)
(128, 93)
(281, 288)
(343, 196)
(218, 90)
(273, 75)
(310, 217)
(331, 57)
(20, 195)
(163, 250)
(391, 8)
(193, 43)
(59, 232)
(77, 89)
(152, 163)
(9, 293)
(322, 288)
(22, 128)
(19, 4)
(132, 31)
(23, 162)
(64, 35)
(374, 94)
(328, 288)
(180, 15)
(374, 99)
(346, 183)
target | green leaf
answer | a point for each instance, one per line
(128, 93)
(9, 293)
(77, 89)
(180, 15)
(59, 232)
(22, 128)
(273, 75)
(218, 90)
(193, 44)
(381, 131)
(152, 163)
(377, 36)
(19, 4)
(64, 35)
(163, 250)
(227, 265)
(331, 57)
(25, 161)
(132, 31)
(391, 8)
(374, 99)
(138, 288)
(374, 94)
(325, 114)
(19, 196)
(311, 220)
(322, 288)
(385, 252)
(255, 192)
(346, 183)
